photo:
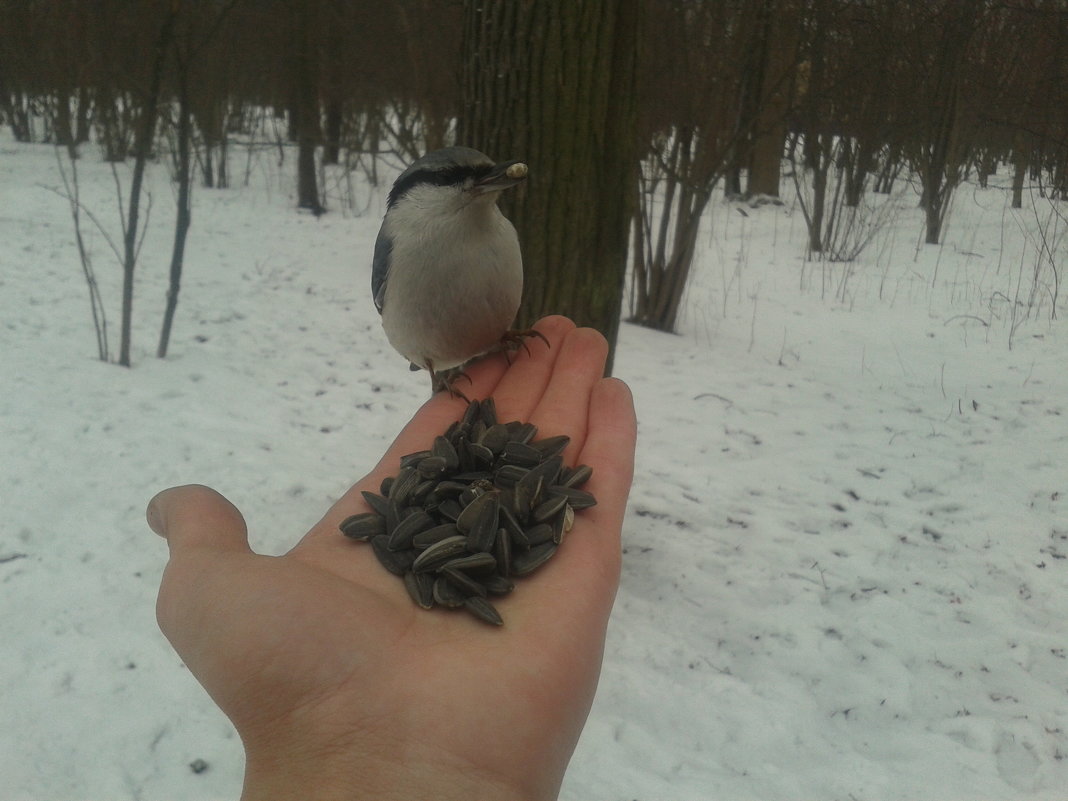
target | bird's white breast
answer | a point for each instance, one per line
(454, 283)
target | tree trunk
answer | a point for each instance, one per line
(184, 216)
(1020, 159)
(307, 110)
(553, 83)
(777, 43)
(143, 146)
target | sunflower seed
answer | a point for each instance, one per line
(483, 610)
(547, 509)
(576, 476)
(494, 439)
(498, 585)
(487, 410)
(529, 561)
(364, 526)
(401, 537)
(444, 449)
(432, 466)
(537, 535)
(551, 446)
(470, 415)
(475, 564)
(449, 509)
(508, 474)
(406, 481)
(424, 539)
(393, 516)
(439, 553)
(420, 587)
(412, 459)
(463, 582)
(479, 453)
(559, 525)
(482, 532)
(521, 454)
(386, 485)
(521, 432)
(377, 502)
(473, 510)
(396, 562)
(579, 499)
(446, 593)
(449, 488)
(502, 552)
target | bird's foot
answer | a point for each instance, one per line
(513, 340)
(445, 381)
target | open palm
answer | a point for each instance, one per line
(340, 686)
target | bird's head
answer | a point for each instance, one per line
(454, 178)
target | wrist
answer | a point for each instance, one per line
(343, 774)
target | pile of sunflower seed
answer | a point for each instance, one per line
(487, 503)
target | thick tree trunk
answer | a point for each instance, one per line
(553, 83)
(772, 93)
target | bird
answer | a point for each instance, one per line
(447, 271)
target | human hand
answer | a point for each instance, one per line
(340, 686)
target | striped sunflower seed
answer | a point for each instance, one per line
(363, 527)
(377, 502)
(498, 585)
(396, 562)
(463, 582)
(483, 610)
(424, 539)
(446, 593)
(420, 587)
(576, 476)
(444, 449)
(527, 562)
(577, 498)
(401, 537)
(439, 553)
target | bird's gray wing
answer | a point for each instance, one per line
(380, 269)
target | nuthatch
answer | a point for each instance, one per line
(447, 275)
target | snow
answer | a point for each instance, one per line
(845, 572)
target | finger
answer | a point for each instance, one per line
(564, 405)
(579, 584)
(609, 449)
(197, 518)
(519, 390)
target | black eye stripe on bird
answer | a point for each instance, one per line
(447, 275)
(453, 176)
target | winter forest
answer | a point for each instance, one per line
(825, 239)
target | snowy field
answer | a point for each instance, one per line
(845, 573)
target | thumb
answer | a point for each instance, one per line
(195, 517)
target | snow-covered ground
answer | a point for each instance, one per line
(845, 573)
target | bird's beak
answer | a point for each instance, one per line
(503, 176)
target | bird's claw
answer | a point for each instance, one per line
(513, 340)
(446, 379)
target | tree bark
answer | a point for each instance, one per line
(553, 83)
(143, 146)
(307, 110)
(184, 215)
